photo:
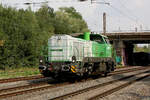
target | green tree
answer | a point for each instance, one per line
(24, 32)
(45, 17)
(68, 20)
(71, 11)
(141, 49)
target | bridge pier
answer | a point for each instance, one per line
(124, 44)
(124, 51)
(120, 51)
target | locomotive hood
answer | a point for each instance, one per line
(65, 47)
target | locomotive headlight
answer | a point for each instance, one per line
(73, 59)
(41, 61)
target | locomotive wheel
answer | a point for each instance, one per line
(105, 68)
(85, 75)
(45, 74)
(112, 66)
(105, 74)
(90, 70)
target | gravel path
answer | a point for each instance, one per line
(51, 93)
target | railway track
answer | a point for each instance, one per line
(10, 92)
(30, 78)
(104, 94)
(20, 79)
(126, 70)
(126, 67)
(72, 94)
(29, 90)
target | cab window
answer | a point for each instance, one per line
(107, 41)
(97, 38)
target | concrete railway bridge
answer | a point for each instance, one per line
(124, 43)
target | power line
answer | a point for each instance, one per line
(122, 13)
(130, 12)
(53, 1)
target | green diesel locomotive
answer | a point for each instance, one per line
(83, 55)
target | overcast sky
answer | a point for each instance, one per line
(121, 14)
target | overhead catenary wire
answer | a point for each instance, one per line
(137, 22)
(127, 13)
(119, 11)
(122, 13)
(133, 19)
(130, 12)
(51, 1)
(131, 16)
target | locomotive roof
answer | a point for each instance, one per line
(80, 34)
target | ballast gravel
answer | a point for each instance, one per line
(28, 82)
(91, 93)
(137, 91)
(54, 92)
(22, 83)
(126, 68)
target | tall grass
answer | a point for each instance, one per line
(18, 72)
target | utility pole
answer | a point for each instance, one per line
(141, 28)
(136, 29)
(104, 23)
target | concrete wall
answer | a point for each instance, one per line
(124, 50)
